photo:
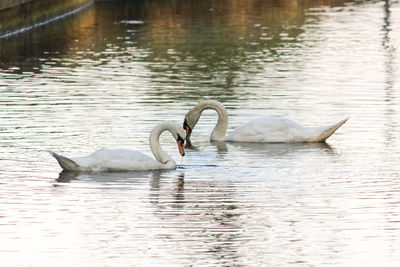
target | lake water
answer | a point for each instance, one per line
(106, 76)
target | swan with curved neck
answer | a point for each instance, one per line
(262, 130)
(128, 160)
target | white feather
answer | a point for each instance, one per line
(262, 130)
(124, 159)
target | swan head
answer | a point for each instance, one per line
(179, 136)
(193, 116)
(191, 119)
(180, 141)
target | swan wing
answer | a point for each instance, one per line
(109, 160)
(117, 160)
(280, 130)
(266, 130)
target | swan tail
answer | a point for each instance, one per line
(65, 163)
(328, 131)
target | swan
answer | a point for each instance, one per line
(104, 159)
(261, 130)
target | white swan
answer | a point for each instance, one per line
(128, 160)
(262, 130)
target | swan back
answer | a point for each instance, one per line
(267, 129)
(280, 130)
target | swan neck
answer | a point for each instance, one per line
(159, 154)
(220, 128)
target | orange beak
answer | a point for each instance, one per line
(181, 147)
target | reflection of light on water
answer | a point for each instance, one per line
(131, 22)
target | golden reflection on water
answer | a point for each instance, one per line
(168, 25)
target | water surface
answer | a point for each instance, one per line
(106, 76)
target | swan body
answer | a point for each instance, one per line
(262, 130)
(104, 159)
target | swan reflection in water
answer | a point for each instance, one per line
(220, 145)
(261, 154)
(185, 211)
(280, 149)
(105, 177)
(272, 149)
(126, 178)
